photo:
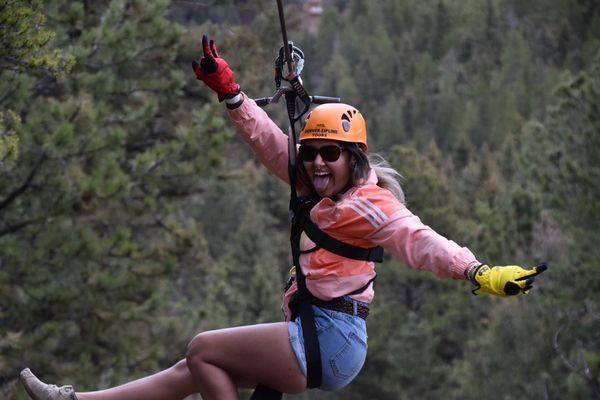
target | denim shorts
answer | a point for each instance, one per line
(343, 343)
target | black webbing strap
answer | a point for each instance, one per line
(340, 248)
(305, 311)
(312, 349)
(265, 393)
(363, 287)
(299, 213)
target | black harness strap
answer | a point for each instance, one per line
(312, 349)
(305, 311)
(265, 393)
(363, 287)
(340, 248)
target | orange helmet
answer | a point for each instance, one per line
(335, 121)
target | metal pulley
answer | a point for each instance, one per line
(294, 59)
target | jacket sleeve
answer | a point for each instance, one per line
(419, 246)
(376, 215)
(265, 138)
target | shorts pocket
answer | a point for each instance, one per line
(322, 324)
(348, 361)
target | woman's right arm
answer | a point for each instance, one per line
(268, 142)
(253, 124)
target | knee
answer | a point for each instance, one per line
(197, 349)
(180, 366)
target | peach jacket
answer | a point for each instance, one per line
(365, 216)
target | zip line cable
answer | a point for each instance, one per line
(286, 50)
(293, 57)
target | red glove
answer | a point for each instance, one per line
(215, 72)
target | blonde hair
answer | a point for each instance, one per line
(387, 177)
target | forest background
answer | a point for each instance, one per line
(132, 217)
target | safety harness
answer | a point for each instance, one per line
(300, 208)
(303, 300)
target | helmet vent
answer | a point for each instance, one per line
(346, 125)
(346, 121)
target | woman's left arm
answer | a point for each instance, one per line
(420, 247)
(376, 215)
(373, 215)
(423, 248)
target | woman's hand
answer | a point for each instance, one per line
(504, 281)
(215, 72)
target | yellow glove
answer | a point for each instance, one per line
(504, 281)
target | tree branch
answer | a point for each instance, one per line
(560, 353)
(16, 227)
(21, 189)
(585, 372)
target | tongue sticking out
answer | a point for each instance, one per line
(320, 183)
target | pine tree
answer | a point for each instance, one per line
(566, 169)
(92, 214)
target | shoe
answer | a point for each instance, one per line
(38, 390)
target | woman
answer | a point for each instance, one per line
(356, 201)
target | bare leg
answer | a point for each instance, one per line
(219, 362)
(171, 384)
(223, 360)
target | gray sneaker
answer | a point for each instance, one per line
(38, 390)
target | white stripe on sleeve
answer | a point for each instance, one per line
(365, 215)
(373, 207)
(369, 211)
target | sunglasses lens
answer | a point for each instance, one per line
(330, 153)
(307, 153)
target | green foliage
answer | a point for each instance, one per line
(566, 169)
(90, 214)
(9, 141)
(427, 192)
(25, 40)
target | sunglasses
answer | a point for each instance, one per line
(329, 153)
